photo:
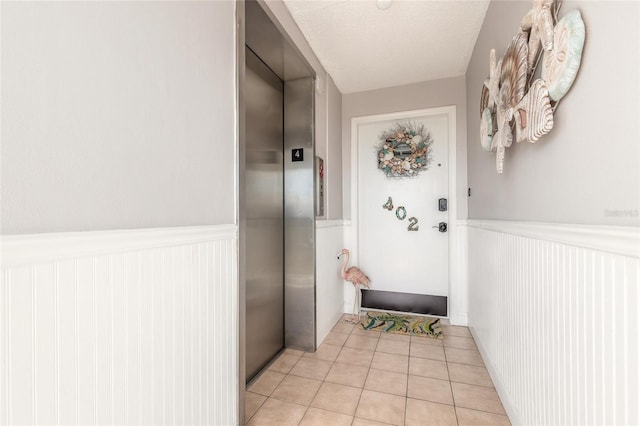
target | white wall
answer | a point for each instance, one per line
(117, 115)
(588, 166)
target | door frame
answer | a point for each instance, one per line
(452, 213)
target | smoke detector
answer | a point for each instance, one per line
(383, 4)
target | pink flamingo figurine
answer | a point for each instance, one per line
(356, 277)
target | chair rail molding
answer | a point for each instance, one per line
(624, 240)
(37, 248)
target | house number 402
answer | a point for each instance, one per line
(401, 214)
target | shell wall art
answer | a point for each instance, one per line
(560, 64)
(538, 23)
(513, 80)
(510, 101)
(534, 115)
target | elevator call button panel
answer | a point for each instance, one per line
(319, 182)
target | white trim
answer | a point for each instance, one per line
(459, 302)
(42, 248)
(332, 223)
(401, 115)
(624, 240)
(505, 398)
(450, 111)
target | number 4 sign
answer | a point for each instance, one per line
(297, 154)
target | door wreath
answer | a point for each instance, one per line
(405, 150)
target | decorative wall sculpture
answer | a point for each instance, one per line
(510, 101)
(560, 64)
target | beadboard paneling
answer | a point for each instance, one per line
(329, 284)
(458, 278)
(557, 320)
(120, 327)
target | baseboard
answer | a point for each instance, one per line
(461, 319)
(505, 397)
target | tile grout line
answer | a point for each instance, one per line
(469, 384)
(317, 390)
(453, 398)
(365, 377)
(246, 421)
(406, 398)
(323, 381)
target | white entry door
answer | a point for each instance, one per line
(395, 258)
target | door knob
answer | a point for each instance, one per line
(442, 227)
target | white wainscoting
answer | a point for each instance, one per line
(329, 283)
(120, 327)
(554, 310)
(458, 277)
(347, 288)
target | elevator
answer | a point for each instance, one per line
(264, 203)
(276, 193)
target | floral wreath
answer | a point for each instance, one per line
(405, 150)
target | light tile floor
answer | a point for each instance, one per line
(360, 378)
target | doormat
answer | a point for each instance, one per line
(403, 324)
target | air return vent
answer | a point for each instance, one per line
(405, 302)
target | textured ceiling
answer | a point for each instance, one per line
(365, 48)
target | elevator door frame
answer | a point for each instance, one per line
(256, 24)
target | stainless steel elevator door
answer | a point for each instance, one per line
(264, 215)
